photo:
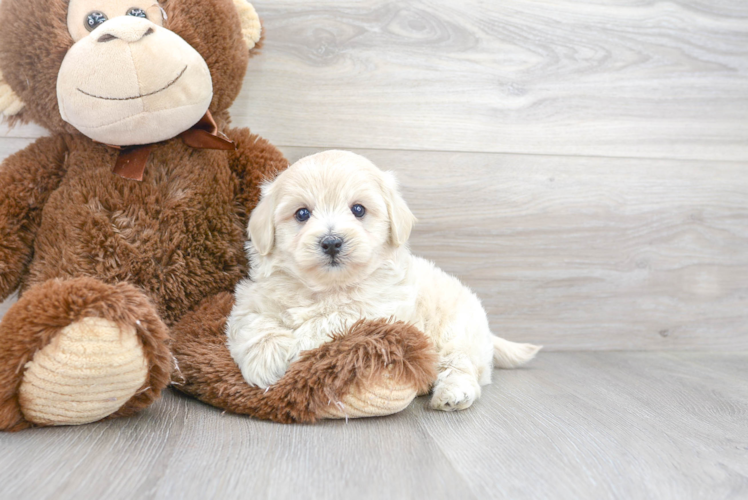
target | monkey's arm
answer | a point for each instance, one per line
(27, 178)
(254, 162)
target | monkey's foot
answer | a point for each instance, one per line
(88, 371)
(79, 350)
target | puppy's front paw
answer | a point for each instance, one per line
(263, 360)
(454, 392)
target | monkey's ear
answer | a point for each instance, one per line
(10, 103)
(251, 27)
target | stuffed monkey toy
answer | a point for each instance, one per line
(124, 229)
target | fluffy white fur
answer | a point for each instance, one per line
(298, 296)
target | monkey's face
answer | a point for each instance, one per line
(127, 79)
(122, 72)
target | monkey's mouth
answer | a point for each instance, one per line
(137, 96)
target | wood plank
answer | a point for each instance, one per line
(330, 460)
(28, 131)
(9, 145)
(587, 253)
(571, 425)
(613, 425)
(589, 77)
(180, 448)
(4, 306)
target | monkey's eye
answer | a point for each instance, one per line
(303, 214)
(136, 12)
(94, 20)
(358, 210)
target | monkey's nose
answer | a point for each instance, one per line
(126, 28)
(109, 37)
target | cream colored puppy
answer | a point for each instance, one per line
(328, 247)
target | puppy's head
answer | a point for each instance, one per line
(331, 219)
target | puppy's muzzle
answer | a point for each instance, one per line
(331, 245)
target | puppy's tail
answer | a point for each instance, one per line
(508, 354)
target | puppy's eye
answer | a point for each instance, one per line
(94, 20)
(358, 210)
(303, 214)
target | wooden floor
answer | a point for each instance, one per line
(572, 425)
(583, 165)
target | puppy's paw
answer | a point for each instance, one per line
(454, 392)
(263, 360)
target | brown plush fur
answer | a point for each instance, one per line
(206, 370)
(25, 190)
(179, 234)
(46, 309)
(80, 241)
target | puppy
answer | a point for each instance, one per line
(328, 247)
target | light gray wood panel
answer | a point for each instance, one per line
(22, 131)
(614, 425)
(4, 306)
(180, 448)
(587, 253)
(368, 459)
(591, 77)
(570, 425)
(9, 145)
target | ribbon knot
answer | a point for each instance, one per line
(132, 160)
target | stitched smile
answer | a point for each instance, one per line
(137, 96)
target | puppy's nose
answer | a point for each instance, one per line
(331, 245)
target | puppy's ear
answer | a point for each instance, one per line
(402, 219)
(262, 222)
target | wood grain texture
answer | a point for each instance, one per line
(593, 77)
(587, 253)
(569, 426)
(614, 425)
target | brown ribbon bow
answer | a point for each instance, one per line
(132, 160)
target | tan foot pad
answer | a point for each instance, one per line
(86, 373)
(385, 398)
